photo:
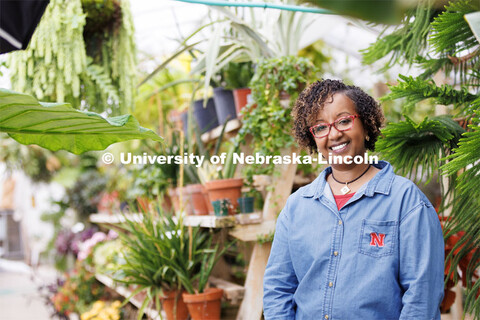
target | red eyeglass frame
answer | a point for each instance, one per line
(353, 116)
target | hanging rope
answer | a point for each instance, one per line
(223, 3)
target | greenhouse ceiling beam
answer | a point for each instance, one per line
(224, 3)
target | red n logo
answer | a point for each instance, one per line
(377, 239)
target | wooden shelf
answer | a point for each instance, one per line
(208, 221)
(252, 231)
(125, 292)
(114, 218)
(231, 126)
(231, 291)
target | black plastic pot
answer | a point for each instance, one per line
(224, 104)
(206, 117)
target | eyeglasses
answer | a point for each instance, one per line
(323, 129)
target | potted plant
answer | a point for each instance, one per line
(222, 207)
(220, 182)
(205, 115)
(275, 86)
(237, 77)
(246, 204)
(165, 256)
(150, 245)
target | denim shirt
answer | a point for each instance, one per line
(381, 256)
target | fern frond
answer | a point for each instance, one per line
(98, 75)
(451, 33)
(407, 41)
(416, 150)
(418, 89)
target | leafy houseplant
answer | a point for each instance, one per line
(164, 256)
(275, 86)
(151, 243)
(236, 77)
(220, 182)
(443, 42)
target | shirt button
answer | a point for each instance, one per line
(330, 284)
(335, 253)
(326, 316)
(339, 222)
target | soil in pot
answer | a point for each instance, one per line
(225, 189)
(174, 306)
(206, 305)
(224, 105)
(206, 117)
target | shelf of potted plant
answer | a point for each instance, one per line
(230, 127)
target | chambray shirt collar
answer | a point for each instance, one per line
(381, 183)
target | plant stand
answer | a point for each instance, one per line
(252, 304)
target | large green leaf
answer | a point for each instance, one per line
(56, 126)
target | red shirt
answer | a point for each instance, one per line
(341, 199)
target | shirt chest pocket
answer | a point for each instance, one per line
(378, 238)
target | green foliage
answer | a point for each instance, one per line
(417, 89)
(56, 126)
(407, 41)
(163, 254)
(266, 119)
(38, 164)
(435, 143)
(73, 57)
(384, 11)
(417, 150)
(451, 34)
(237, 75)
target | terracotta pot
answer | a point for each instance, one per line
(166, 203)
(204, 306)
(172, 192)
(196, 194)
(241, 97)
(186, 200)
(175, 310)
(225, 189)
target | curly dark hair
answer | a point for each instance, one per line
(312, 100)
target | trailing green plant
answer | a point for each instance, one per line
(80, 51)
(268, 119)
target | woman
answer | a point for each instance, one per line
(359, 242)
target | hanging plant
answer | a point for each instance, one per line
(275, 87)
(82, 52)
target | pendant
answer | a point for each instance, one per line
(345, 189)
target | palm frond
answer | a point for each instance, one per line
(416, 150)
(418, 89)
(451, 33)
(407, 41)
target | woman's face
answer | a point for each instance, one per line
(340, 143)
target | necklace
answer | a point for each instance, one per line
(346, 189)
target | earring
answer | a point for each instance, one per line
(367, 138)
